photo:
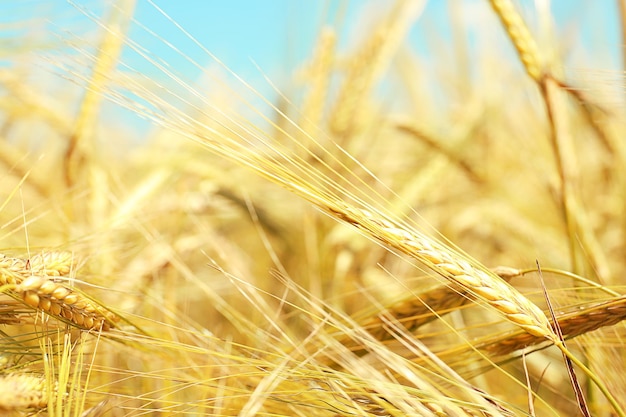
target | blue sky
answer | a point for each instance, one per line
(279, 35)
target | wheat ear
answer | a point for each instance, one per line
(366, 67)
(46, 293)
(318, 75)
(479, 283)
(22, 391)
(418, 310)
(79, 146)
(572, 324)
(62, 302)
(520, 36)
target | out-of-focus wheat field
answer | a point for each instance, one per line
(414, 208)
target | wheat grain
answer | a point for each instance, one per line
(62, 302)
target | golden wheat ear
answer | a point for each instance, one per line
(419, 309)
(22, 391)
(62, 302)
(520, 36)
(578, 321)
(461, 271)
(47, 293)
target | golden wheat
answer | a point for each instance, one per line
(583, 320)
(22, 391)
(62, 302)
(216, 358)
(26, 280)
(366, 67)
(522, 39)
(420, 309)
(319, 73)
(476, 281)
(293, 175)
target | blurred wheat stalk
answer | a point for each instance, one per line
(179, 280)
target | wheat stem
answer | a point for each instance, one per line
(597, 381)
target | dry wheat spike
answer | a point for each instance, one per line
(43, 291)
(480, 284)
(368, 65)
(572, 324)
(22, 391)
(419, 310)
(520, 36)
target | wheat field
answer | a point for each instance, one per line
(382, 233)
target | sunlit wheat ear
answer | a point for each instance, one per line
(422, 308)
(367, 66)
(479, 283)
(60, 301)
(318, 75)
(23, 392)
(520, 36)
(46, 293)
(572, 324)
(51, 263)
(81, 142)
